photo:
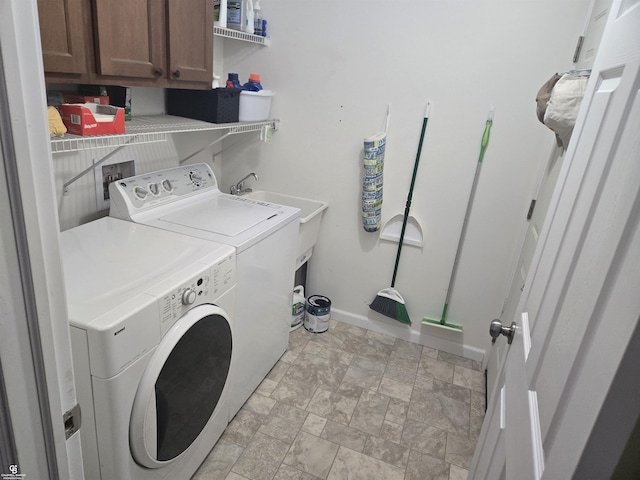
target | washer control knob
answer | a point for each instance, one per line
(196, 179)
(188, 296)
(166, 184)
(140, 192)
(154, 189)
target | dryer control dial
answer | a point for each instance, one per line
(189, 296)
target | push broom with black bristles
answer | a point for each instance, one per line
(388, 301)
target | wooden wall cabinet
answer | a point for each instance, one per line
(64, 36)
(129, 42)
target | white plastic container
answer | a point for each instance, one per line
(255, 106)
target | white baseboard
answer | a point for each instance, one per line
(408, 333)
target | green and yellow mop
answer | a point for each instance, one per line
(442, 323)
(388, 301)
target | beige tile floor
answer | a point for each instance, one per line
(352, 404)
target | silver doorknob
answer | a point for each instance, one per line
(496, 329)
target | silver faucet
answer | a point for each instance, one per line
(239, 188)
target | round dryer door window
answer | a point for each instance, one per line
(181, 387)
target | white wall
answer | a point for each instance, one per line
(335, 66)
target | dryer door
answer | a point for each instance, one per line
(181, 387)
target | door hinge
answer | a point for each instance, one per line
(72, 421)
(531, 207)
(576, 54)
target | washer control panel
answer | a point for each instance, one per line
(134, 194)
(203, 288)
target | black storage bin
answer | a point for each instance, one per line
(220, 105)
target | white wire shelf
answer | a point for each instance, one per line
(238, 35)
(151, 129)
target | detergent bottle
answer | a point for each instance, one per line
(232, 81)
(253, 85)
(257, 19)
(297, 309)
(236, 14)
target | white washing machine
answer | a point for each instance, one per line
(153, 342)
(187, 200)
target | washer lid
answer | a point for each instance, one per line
(109, 262)
(222, 214)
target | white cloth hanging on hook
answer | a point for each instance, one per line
(564, 105)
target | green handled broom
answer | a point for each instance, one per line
(388, 301)
(442, 323)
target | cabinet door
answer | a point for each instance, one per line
(62, 35)
(190, 40)
(130, 38)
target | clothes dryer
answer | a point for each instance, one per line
(187, 200)
(153, 342)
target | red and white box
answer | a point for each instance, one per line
(92, 119)
(78, 98)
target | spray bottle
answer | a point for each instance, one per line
(249, 17)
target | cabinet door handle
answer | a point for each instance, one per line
(176, 74)
(158, 72)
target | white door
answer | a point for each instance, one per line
(595, 22)
(533, 228)
(35, 351)
(579, 311)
